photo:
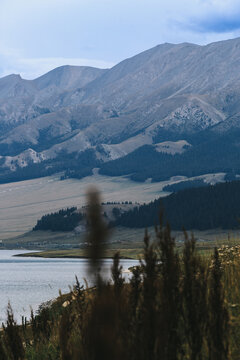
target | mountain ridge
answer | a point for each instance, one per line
(172, 92)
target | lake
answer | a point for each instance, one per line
(28, 282)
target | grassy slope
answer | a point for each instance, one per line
(81, 253)
(129, 242)
(27, 201)
(47, 240)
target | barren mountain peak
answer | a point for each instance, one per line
(165, 94)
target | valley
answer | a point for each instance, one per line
(120, 180)
(23, 203)
(164, 119)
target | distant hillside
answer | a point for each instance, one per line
(200, 208)
(171, 110)
(63, 220)
(182, 185)
(209, 154)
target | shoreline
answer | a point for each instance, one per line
(46, 255)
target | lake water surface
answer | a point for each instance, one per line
(28, 282)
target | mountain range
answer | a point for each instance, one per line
(171, 110)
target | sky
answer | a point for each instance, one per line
(39, 35)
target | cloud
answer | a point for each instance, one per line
(219, 24)
(214, 16)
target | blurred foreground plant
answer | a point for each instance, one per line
(97, 232)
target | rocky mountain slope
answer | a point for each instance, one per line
(177, 99)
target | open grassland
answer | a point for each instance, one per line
(118, 237)
(23, 203)
(81, 253)
(128, 242)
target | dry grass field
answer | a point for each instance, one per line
(23, 203)
(129, 242)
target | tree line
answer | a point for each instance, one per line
(208, 207)
(210, 155)
(63, 220)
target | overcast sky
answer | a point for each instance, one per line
(38, 35)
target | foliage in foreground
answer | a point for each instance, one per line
(174, 307)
